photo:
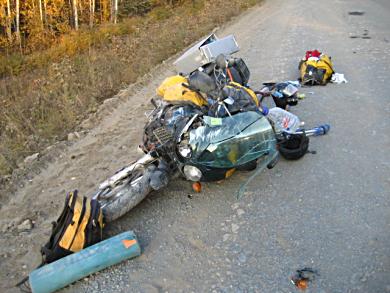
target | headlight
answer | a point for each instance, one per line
(185, 150)
(192, 173)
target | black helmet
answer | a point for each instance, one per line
(294, 147)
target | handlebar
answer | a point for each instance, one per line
(316, 131)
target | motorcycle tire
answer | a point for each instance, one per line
(126, 195)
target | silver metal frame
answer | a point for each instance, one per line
(205, 52)
(140, 163)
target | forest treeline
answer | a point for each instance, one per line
(29, 25)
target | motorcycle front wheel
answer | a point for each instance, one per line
(125, 195)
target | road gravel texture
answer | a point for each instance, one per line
(329, 211)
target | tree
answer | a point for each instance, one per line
(114, 11)
(75, 15)
(45, 12)
(9, 21)
(91, 12)
(36, 24)
(41, 12)
(18, 37)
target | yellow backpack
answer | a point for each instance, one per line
(172, 90)
(79, 225)
(248, 90)
(314, 72)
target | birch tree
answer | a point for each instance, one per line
(17, 8)
(41, 12)
(45, 12)
(75, 15)
(114, 11)
(9, 17)
(91, 12)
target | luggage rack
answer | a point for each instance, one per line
(205, 52)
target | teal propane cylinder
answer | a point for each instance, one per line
(71, 268)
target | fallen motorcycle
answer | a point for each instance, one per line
(204, 128)
(184, 139)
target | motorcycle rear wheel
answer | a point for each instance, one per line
(117, 201)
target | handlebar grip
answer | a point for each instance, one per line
(326, 128)
(316, 131)
(322, 129)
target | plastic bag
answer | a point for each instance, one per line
(283, 120)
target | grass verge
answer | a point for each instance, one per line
(70, 80)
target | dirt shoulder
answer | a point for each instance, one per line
(107, 141)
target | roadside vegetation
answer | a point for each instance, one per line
(60, 59)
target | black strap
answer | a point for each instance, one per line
(24, 285)
(22, 282)
(62, 225)
(59, 227)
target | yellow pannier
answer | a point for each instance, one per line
(316, 71)
(172, 90)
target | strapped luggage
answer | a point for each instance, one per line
(79, 225)
(241, 98)
(315, 68)
(240, 71)
(175, 90)
(249, 93)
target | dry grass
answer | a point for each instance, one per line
(71, 79)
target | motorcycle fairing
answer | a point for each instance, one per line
(238, 139)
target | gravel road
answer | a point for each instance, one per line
(329, 211)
